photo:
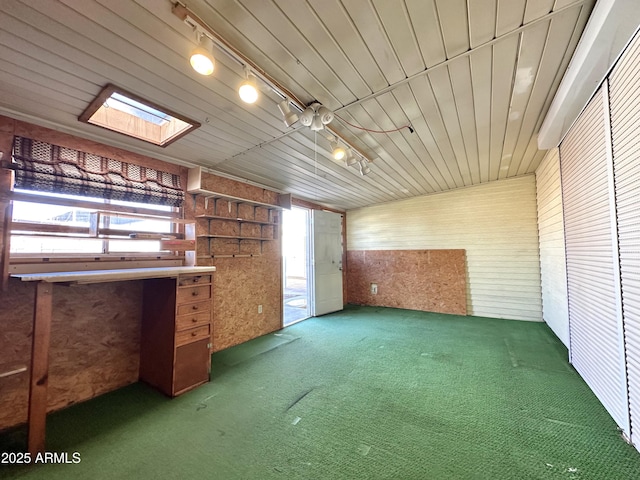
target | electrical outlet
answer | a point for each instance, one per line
(259, 308)
(374, 289)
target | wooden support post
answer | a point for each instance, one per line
(39, 367)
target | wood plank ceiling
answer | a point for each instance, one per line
(473, 78)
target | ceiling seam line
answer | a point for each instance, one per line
(446, 62)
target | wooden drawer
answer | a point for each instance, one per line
(194, 307)
(193, 294)
(192, 335)
(191, 320)
(192, 366)
(188, 280)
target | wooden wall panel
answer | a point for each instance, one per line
(495, 223)
(95, 340)
(94, 343)
(428, 280)
(240, 283)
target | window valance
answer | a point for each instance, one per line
(44, 167)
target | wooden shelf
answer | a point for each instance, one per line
(233, 219)
(194, 186)
(241, 211)
(236, 237)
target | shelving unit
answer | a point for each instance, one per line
(235, 226)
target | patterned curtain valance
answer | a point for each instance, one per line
(44, 167)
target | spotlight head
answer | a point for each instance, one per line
(337, 151)
(350, 159)
(306, 117)
(248, 90)
(325, 114)
(364, 168)
(201, 58)
(289, 117)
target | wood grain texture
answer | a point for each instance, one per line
(94, 343)
(241, 284)
(427, 280)
(6, 185)
(39, 378)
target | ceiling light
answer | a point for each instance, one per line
(316, 124)
(306, 117)
(316, 116)
(201, 59)
(350, 159)
(289, 117)
(325, 114)
(248, 90)
(337, 151)
(364, 168)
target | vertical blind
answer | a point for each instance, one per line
(625, 119)
(595, 325)
(45, 167)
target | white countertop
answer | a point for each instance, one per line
(98, 276)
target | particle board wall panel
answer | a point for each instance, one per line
(241, 285)
(495, 224)
(552, 252)
(244, 282)
(427, 280)
(94, 343)
(95, 340)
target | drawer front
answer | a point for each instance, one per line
(188, 280)
(194, 307)
(193, 294)
(192, 335)
(192, 366)
(191, 320)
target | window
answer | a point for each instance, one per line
(64, 227)
(126, 113)
(73, 204)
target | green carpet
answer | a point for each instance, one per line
(368, 393)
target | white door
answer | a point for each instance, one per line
(326, 255)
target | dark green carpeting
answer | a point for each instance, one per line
(369, 393)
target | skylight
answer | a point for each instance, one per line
(126, 113)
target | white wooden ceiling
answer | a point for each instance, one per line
(474, 78)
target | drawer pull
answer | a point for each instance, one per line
(196, 279)
(194, 319)
(195, 307)
(193, 334)
(194, 293)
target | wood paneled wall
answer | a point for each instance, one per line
(495, 223)
(95, 340)
(242, 283)
(427, 280)
(94, 343)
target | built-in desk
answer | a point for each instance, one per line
(171, 349)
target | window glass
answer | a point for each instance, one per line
(40, 228)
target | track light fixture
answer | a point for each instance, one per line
(285, 109)
(316, 116)
(248, 90)
(350, 159)
(337, 151)
(201, 59)
(364, 167)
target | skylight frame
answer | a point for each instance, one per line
(96, 114)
